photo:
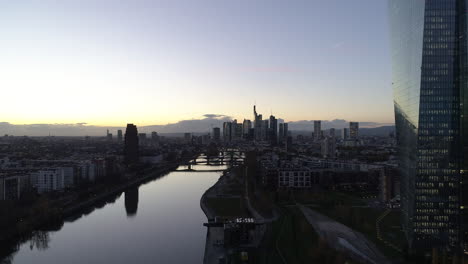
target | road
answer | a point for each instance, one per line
(343, 238)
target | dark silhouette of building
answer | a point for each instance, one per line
(119, 135)
(354, 130)
(430, 80)
(273, 131)
(131, 144)
(109, 135)
(227, 130)
(216, 134)
(317, 130)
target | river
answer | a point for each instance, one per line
(157, 222)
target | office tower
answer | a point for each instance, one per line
(281, 133)
(331, 132)
(264, 129)
(246, 126)
(354, 130)
(216, 134)
(131, 144)
(345, 133)
(257, 125)
(273, 131)
(238, 131)
(286, 132)
(430, 80)
(119, 135)
(317, 130)
(227, 131)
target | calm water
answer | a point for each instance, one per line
(159, 222)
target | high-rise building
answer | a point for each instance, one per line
(227, 129)
(236, 130)
(131, 144)
(273, 131)
(345, 133)
(257, 125)
(285, 132)
(331, 132)
(430, 82)
(317, 130)
(109, 135)
(281, 133)
(354, 130)
(264, 129)
(119, 135)
(216, 134)
(246, 126)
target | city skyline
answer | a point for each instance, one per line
(157, 63)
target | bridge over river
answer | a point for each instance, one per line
(214, 163)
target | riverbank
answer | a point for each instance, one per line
(48, 214)
(228, 199)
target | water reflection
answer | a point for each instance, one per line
(39, 240)
(131, 201)
(169, 208)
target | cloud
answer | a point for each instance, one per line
(213, 116)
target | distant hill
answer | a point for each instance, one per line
(377, 131)
(203, 125)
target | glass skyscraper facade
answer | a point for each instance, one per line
(429, 53)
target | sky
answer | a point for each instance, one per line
(154, 62)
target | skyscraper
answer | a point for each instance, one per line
(119, 135)
(131, 144)
(345, 133)
(264, 129)
(430, 82)
(273, 130)
(354, 130)
(285, 132)
(281, 133)
(246, 126)
(257, 125)
(227, 131)
(216, 134)
(317, 130)
(109, 135)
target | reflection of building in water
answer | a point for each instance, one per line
(131, 201)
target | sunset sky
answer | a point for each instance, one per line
(109, 62)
